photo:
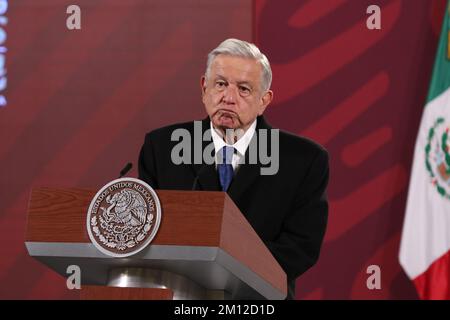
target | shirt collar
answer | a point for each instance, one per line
(240, 146)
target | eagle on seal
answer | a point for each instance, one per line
(126, 207)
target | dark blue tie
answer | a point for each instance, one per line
(225, 168)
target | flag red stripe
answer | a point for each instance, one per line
(434, 284)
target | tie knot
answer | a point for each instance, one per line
(227, 154)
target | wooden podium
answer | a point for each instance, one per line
(204, 249)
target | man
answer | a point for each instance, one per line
(287, 207)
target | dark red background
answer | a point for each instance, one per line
(80, 102)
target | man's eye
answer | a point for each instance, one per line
(244, 90)
(220, 84)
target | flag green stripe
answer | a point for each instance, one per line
(440, 81)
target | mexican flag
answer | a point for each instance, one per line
(425, 243)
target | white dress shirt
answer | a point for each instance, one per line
(240, 146)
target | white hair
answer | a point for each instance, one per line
(244, 49)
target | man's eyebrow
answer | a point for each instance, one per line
(218, 76)
(221, 77)
(245, 82)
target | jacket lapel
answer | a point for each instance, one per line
(206, 174)
(243, 179)
(208, 179)
(248, 172)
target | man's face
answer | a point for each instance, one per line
(232, 94)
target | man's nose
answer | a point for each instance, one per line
(230, 94)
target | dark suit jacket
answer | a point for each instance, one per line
(288, 210)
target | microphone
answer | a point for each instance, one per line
(125, 170)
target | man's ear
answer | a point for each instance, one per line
(266, 99)
(203, 84)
